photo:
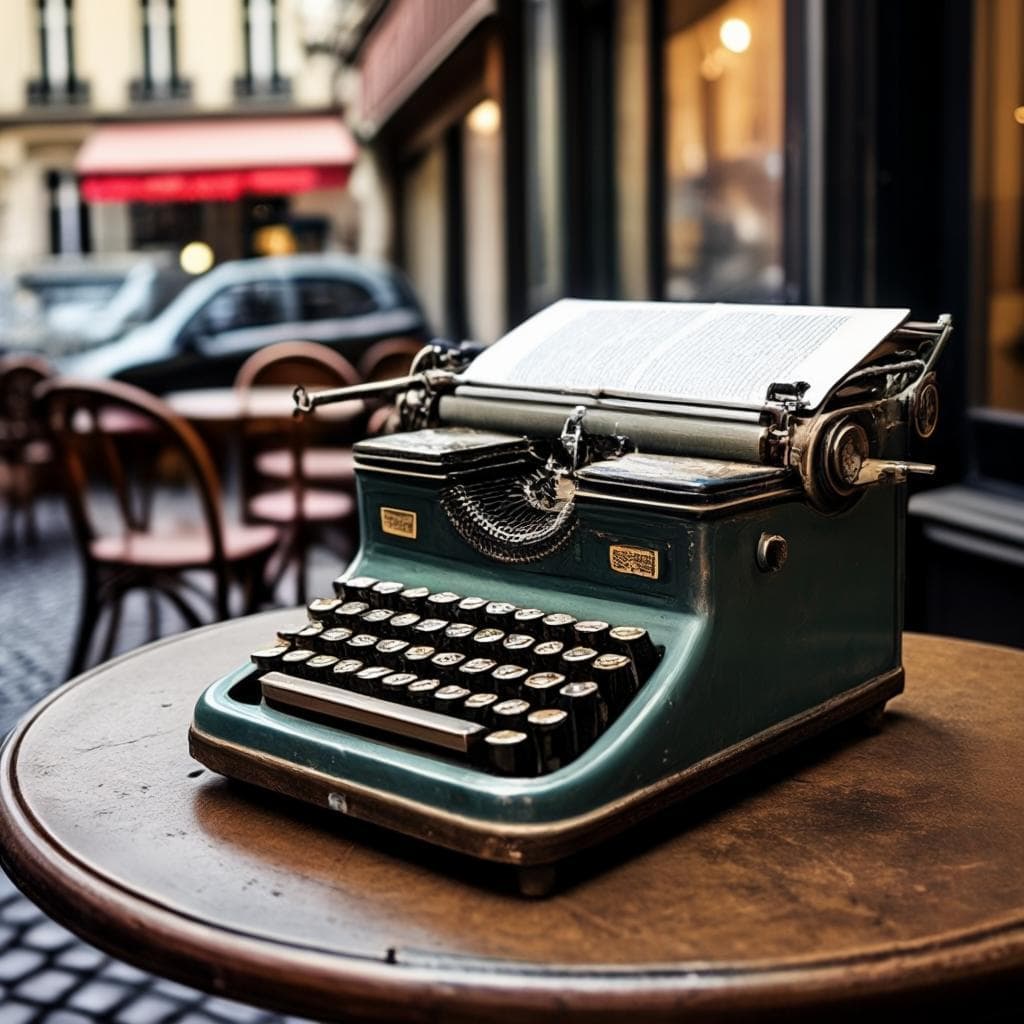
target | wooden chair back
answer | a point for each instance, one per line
(386, 360)
(19, 419)
(110, 438)
(296, 362)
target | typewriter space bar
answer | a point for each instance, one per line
(397, 719)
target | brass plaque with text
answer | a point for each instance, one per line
(633, 561)
(398, 522)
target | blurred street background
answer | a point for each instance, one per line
(186, 183)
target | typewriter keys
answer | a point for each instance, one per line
(349, 613)
(268, 658)
(383, 594)
(558, 626)
(552, 736)
(321, 608)
(470, 609)
(542, 688)
(344, 671)
(413, 599)
(509, 752)
(356, 588)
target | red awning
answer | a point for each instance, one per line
(202, 161)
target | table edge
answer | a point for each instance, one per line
(420, 985)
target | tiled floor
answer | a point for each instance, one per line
(47, 976)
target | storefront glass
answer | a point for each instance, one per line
(724, 118)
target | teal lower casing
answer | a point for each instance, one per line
(753, 660)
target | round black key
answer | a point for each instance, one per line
(320, 667)
(331, 640)
(389, 652)
(636, 642)
(348, 613)
(345, 670)
(558, 626)
(587, 712)
(509, 679)
(499, 614)
(321, 608)
(591, 633)
(547, 656)
(361, 645)
(377, 620)
(528, 620)
(475, 670)
(510, 752)
(293, 662)
(576, 662)
(268, 658)
(416, 658)
(458, 635)
(444, 603)
(394, 686)
(510, 714)
(518, 644)
(368, 680)
(287, 634)
(354, 589)
(385, 594)
(477, 707)
(541, 689)
(420, 693)
(486, 641)
(430, 630)
(445, 664)
(471, 609)
(401, 625)
(413, 599)
(616, 679)
(308, 633)
(551, 731)
(447, 699)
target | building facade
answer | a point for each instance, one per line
(73, 68)
(849, 152)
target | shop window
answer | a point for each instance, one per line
(69, 216)
(57, 82)
(328, 299)
(724, 122)
(998, 381)
(160, 79)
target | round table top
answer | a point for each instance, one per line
(859, 870)
(224, 406)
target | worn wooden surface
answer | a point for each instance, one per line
(861, 871)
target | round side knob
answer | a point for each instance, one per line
(926, 409)
(772, 552)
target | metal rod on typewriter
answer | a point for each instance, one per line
(306, 402)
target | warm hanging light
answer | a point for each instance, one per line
(484, 118)
(735, 35)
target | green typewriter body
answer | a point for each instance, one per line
(569, 611)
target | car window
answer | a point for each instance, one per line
(330, 298)
(253, 304)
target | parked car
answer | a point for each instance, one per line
(69, 304)
(207, 332)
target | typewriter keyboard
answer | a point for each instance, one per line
(515, 691)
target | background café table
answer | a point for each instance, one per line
(862, 873)
(223, 407)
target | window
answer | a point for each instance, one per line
(160, 79)
(255, 304)
(327, 299)
(57, 82)
(261, 77)
(69, 220)
(724, 115)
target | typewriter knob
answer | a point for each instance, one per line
(772, 552)
(925, 408)
(847, 449)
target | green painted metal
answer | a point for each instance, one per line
(744, 649)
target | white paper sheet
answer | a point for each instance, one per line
(719, 353)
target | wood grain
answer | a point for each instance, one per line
(861, 871)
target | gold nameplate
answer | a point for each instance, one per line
(398, 522)
(633, 561)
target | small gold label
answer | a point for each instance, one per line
(633, 561)
(398, 522)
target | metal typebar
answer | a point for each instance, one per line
(359, 709)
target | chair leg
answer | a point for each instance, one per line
(301, 558)
(113, 626)
(87, 621)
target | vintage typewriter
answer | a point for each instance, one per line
(628, 550)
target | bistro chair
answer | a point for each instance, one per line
(305, 489)
(25, 451)
(386, 360)
(145, 523)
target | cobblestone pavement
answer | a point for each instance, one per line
(47, 976)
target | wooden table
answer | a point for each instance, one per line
(861, 873)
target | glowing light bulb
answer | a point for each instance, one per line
(484, 118)
(735, 35)
(1018, 115)
(196, 258)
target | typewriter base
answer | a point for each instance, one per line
(526, 845)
